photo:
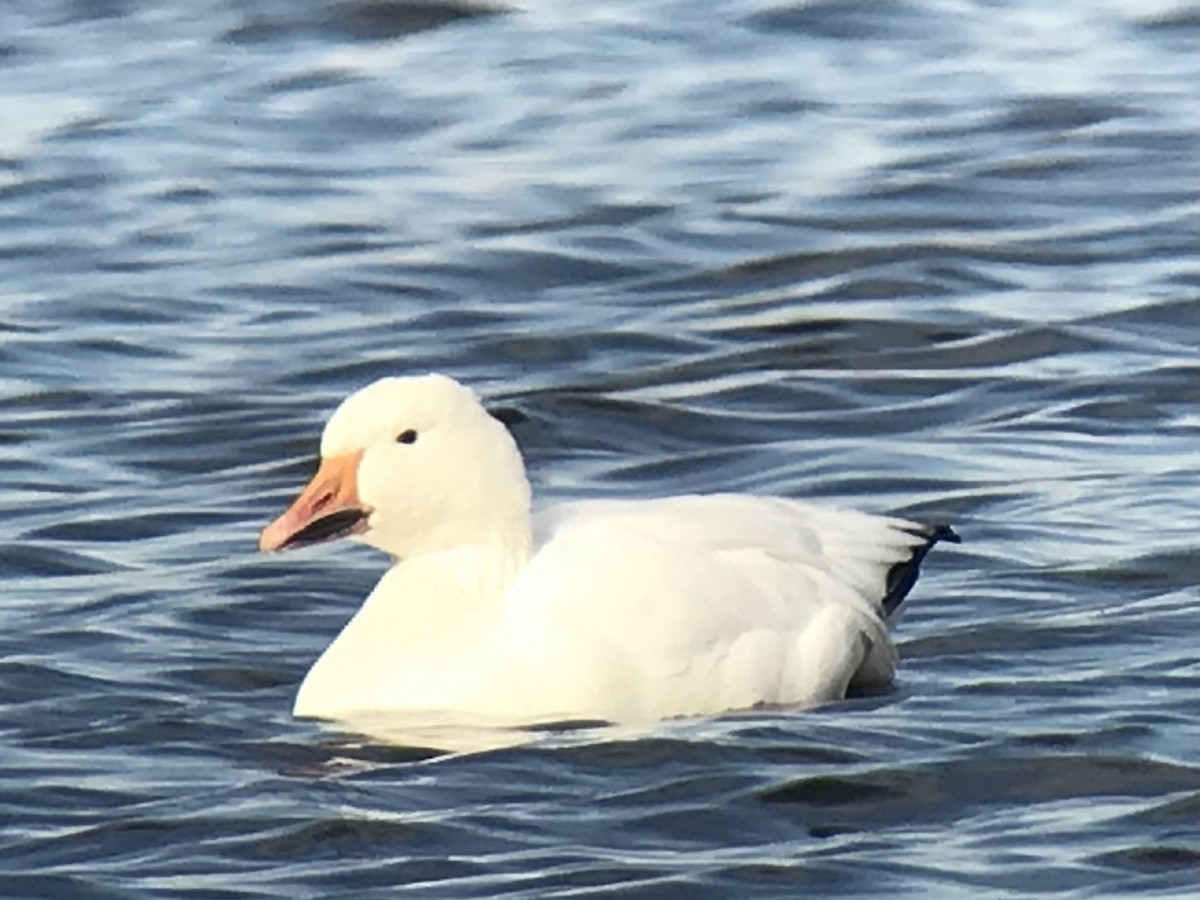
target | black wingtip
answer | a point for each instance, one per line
(942, 533)
(903, 575)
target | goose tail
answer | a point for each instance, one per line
(903, 575)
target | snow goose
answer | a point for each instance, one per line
(621, 610)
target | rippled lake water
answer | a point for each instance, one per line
(934, 257)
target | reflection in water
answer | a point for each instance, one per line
(442, 733)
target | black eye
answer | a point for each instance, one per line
(408, 436)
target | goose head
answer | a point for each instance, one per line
(410, 465)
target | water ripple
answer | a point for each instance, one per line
(914, 257)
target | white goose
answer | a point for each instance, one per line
(626, 611)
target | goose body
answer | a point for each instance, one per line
(622, 610)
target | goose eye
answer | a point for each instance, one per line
(408, 436)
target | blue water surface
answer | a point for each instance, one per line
(930, 257)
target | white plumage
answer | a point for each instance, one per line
(620, 610)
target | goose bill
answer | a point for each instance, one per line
(327, 509)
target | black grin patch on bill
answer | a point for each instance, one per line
(326, 528)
